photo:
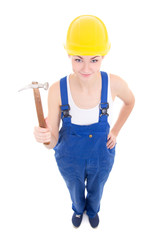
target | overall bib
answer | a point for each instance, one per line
(82, 155)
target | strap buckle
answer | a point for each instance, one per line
(104, 109)
(65, 111)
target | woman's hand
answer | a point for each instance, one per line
(42, 135)
(111, 142)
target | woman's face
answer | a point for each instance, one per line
(86, 66)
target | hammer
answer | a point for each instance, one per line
(35, 86)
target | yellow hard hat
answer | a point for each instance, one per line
(87, 35)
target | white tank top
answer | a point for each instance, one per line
(87, 116)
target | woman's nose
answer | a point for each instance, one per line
(86, 67)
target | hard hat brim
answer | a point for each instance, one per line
(87, 52)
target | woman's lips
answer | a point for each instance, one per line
(85, 75)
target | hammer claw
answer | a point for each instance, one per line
(34, 85)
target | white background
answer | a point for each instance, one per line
(34, 201)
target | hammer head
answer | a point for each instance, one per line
(36, 85)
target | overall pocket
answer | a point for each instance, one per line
(111, 151)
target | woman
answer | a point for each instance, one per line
(85, 144)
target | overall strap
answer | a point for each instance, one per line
(104, 105)
(65, 116)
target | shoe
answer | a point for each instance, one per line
(76, 220)
(94, 221)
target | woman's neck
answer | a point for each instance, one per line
(87, 85)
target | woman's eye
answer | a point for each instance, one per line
(78, 60)
(94, 60)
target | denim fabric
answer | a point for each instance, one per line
(82, 156)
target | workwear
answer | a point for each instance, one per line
(82, 154)
(88, 116)
(87, 35)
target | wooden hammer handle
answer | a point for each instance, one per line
(39, 109)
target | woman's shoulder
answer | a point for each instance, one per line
(114, 78)
(116, 83)
(54, 92)
(120, 88)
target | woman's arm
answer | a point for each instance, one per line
(120, 89)
(51, 132)
(54, 113)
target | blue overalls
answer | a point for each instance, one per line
(82, 155)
